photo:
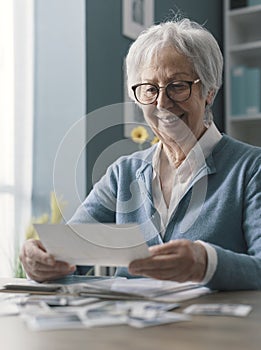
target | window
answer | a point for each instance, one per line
(16, 126)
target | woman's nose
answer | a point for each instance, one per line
(163, 101)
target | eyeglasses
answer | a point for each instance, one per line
(177, 91)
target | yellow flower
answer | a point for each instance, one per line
(57, 205)
(155, 140)
(139, 134)
(30, 231)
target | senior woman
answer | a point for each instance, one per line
(196, 194)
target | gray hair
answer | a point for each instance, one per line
(190, 39)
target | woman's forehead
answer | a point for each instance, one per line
(165, 57)
(167, 63)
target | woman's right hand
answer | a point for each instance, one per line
(40, 265)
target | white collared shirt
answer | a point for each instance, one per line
(183, 176)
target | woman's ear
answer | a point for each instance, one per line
(210, 97)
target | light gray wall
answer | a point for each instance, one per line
(60, 100)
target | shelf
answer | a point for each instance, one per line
(244, 25)
(245, 12)
(255, 45)
(242, 43)
(251, 49)
(244, 118)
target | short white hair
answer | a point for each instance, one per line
(188, 38)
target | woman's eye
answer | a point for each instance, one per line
(151, 90)
(179, 86)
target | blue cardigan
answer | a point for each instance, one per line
(222, 206)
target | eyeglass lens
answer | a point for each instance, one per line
(177, 91)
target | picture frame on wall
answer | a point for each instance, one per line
(137, 15)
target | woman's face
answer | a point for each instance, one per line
(176, 121)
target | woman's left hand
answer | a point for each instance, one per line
(179, 260)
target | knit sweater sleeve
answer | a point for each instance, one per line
(100, 204)
(237, 270)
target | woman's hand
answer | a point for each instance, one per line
(178, 260)
(41, 266)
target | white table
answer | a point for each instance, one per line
(202, 333)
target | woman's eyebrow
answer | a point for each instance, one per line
(171, 77)
(174, 76)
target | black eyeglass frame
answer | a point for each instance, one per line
(190, 83)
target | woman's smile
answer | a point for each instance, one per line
(170, 119)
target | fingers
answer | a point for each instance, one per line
(40, 265)
(152, 263)
(48, 275)
(162, 256)
(160, 267)
(179, 260)
(170, 247)
(34, 249)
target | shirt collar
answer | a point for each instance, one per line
(209, 139)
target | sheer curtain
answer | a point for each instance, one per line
(16, 127)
